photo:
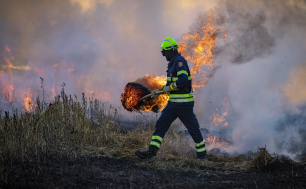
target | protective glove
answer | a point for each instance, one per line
(171, 87)
(167, 89)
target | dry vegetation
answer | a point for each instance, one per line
(69, 130)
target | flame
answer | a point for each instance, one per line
(6, 79)
(159, 81)
(16, 67)
(210, 140)
(161, 101)
(131, 97)
(27, 100)
(218, 119)
(8, 58)
(152, 82)
(7, 82)
(198, 48)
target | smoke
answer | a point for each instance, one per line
(91, 46)
(253, 39)
(257, 30)
(261, 70)
(97, 46)
(249, 37)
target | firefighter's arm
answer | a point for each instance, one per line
(182, 75)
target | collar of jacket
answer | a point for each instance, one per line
(172, 60)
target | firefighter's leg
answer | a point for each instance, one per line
(162, 125)
(188, 118)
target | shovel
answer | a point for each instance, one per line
(149, 95)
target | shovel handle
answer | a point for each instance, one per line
(149, 95)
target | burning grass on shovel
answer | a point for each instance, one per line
(132, 94)
(80, 144)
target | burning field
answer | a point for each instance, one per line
(72, 74)
(62, 147)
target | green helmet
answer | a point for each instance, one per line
(169, 44)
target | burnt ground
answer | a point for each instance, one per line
(103, 172)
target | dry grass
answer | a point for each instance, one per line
(262, 159)
(69, 128)
(64, 129)
(73, 129)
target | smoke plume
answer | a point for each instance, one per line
(261, 62)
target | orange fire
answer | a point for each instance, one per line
(161, 101)
(152, 82)
(210, 140)
(220, 119)
(27, 100)
(8, 93)
(6, 79)
(198, 49)
(133, 93)
(131, 96)
(216, 118)
(8, 58)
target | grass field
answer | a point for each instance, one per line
(79, 144)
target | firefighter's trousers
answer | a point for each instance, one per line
(188, 118)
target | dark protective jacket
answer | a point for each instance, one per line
(178, 72)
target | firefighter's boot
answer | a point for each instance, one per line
(150, 153)
(202, 155)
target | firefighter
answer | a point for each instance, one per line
(180, 104)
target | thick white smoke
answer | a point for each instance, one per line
(255, 66)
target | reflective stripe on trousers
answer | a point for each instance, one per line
(156, 141)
